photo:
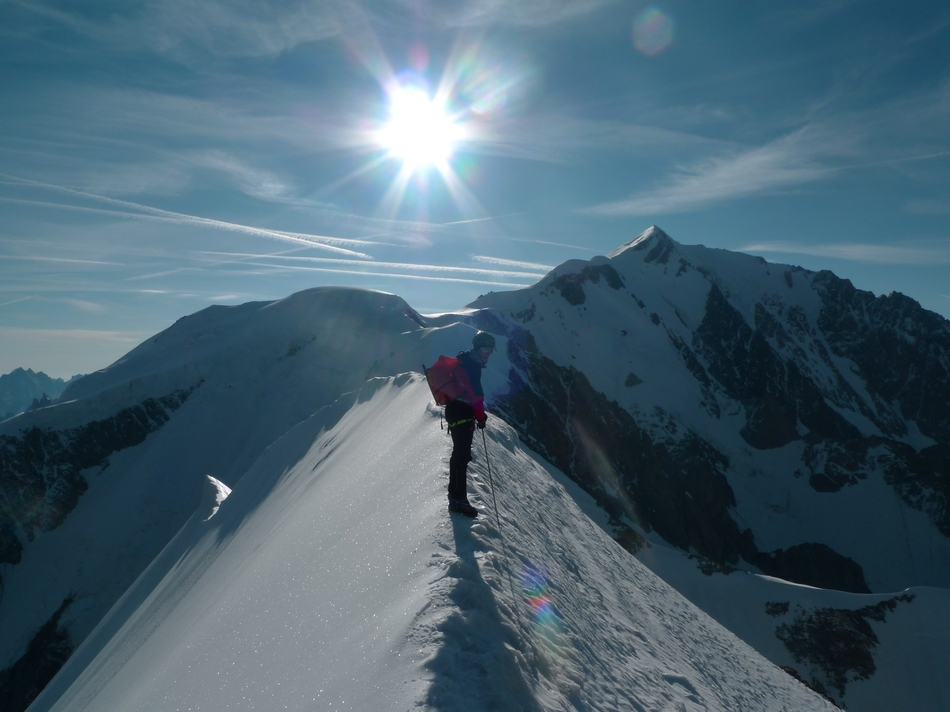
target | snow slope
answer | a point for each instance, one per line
(333, 578)
(247, 393)
(253, 372)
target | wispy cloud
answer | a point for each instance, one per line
(529, 13)
(512, 263)
(859, 252)
(830, 141)
(390, 275)
(138, 211)
(584, 248)
(781, 164)
(15, 301)
(243, 258)
(241, 27)
(39, 258)
(249, 179)
(562, 137)
(86, 306)
(236, 28)
(807, 12)
(934, 206)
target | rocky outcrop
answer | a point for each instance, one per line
(571, 285)
(813, 564)
(42, 470)
(748, 365)
(22, 387)
(835, 645)
(901, 351)
(675, 487)
(853, 387)
(45, 655)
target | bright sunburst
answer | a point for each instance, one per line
(424, 131)
(419, 132)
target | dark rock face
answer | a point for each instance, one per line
(22, 387)
(41, 471)
(922, 479)
(660, 248)
(835, 644)
(776, 394)
(902, 354)
(676, 488)
(814, 564)
(902, 351)
(45, 655)
(571, 285)
(842, 380)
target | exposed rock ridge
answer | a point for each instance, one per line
(835, 644)
(22, 387)
(848, 387)
(674, 485)
(45, 655)
(42, 470)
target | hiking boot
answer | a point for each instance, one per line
(462, 507)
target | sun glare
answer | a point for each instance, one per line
(418, 131)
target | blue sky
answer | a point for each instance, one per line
(158, 157)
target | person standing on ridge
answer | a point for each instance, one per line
(463, 415)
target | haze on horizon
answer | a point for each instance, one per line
(159, 157)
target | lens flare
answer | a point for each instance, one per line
(549, 630)
(603, 469)
(488, 82)
(652, 31)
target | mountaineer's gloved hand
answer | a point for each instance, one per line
(481, 424)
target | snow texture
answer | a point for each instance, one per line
(332, 577)
(314, 564)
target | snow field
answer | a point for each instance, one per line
(333, 578)
(914, 643)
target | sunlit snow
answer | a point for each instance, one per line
(333, 578)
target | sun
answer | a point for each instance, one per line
(419, 132)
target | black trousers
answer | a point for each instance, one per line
(462, 435)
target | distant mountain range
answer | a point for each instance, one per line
(772, 442)
(22, 388)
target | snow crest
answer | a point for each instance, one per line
(333, 577)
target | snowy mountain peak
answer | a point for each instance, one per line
(706, 408)
(652, 239)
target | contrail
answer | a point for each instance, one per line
(34, 258)
(393, 275)
(15, 301)
(512, 263)
(485, 219)
(324, 241)
(375, 263)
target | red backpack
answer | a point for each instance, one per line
(443, 380)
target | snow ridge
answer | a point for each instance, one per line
(305, 591)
